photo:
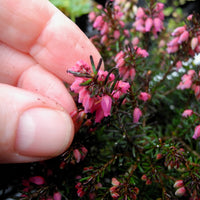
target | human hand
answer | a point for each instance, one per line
(37, 45)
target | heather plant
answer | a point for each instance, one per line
(138, 118)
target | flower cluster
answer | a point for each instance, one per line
(179, 185)
(150, 20)
(126, 61)
(109, 23)
(94, 96)
(39, 181)
(118, 187)
(186, 38)
(190, 80)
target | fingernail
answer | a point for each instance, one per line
(43, 132)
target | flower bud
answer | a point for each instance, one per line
(180, 192)
(144, 177)
(194, 43)
(159, 156)
(178, 184)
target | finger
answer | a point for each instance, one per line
(38, 28)
(32, 127)
(19, 69)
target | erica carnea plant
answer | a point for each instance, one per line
(138, 119)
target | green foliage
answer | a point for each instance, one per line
(73, 8)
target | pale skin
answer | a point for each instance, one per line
(37, 45)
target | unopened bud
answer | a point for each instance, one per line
(180, 192)
(178, 184)
(158, 156)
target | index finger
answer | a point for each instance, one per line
(42, 31)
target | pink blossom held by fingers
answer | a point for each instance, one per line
(187, 113)
(106, 104)
(180, 192)
(38, 180)
(183, 37)
(136, 115)
(178, 184)
(144, 96)
(196, 132)
(57, 196)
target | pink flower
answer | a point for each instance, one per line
(159, 7)
(119, 56)
(148, 24)
(189, 18)
(196, 132)
(158, 24)
(135, 41)
(80, 192)
(123, 86)
(38, 180)
(77, 155)
(92, 16)
(115, 182)
(139, 25)
(183, 37)
(194, 43)
(178, 31)
(136, 115)
(180, 192)
(173, 42)
(172, 49)
(144, 96)
(178, 184)
(57, 196)
(84, 152)
(106, 104)
(140, 13)
(141, 52)
(178, 65)
(104, 28)
(116, 34)
(98, 22)
(187, 113)
(120, 62)
(115, 195)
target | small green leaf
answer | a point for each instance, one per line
(93, 65)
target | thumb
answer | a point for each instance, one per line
(32, 127)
